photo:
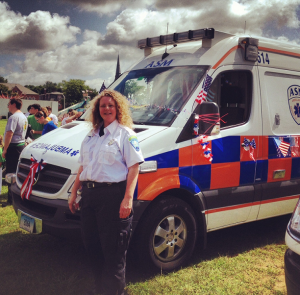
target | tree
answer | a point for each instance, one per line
(3, 89)
(2, 80)
(73, 91)
(50, 87)
(38, 89)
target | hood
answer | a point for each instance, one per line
(61, 147)
(145, 131)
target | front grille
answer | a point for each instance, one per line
(51, 179)
(44, 210)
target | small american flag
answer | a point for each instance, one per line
(102, 88)
(282, 146)
(205, 87)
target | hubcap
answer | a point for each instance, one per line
(169, 238)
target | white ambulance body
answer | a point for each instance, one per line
(246, 171)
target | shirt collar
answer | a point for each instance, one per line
(111, 127)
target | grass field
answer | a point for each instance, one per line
(245, 259)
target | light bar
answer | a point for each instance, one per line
(191, 35)
(153, 42)
(167, 39)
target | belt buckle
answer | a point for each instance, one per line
(90, 185)
(109, 183)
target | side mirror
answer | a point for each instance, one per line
(209, 115)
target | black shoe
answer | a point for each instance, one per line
(3, 205)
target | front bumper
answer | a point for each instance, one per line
(56, 217)
(292, 272)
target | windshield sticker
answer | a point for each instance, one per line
(55, 148)
(134, 142)
(293, 94)
(161, 63)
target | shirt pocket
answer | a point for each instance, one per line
(107, 155)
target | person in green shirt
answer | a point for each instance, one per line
(2, 160)
(36, 128)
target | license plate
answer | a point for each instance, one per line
(27, 223)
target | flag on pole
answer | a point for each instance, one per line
(102, 88)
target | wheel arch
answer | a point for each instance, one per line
(195, 201)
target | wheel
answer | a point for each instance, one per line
(167, 234)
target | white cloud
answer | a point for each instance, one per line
(86, 61)
(110, 7)
(145, 18)
(38, 31)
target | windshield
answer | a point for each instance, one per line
(156, 96)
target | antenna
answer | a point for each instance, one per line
(245, 28)
(166, 54)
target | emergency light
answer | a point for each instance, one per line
(187, 36)
(251, 49)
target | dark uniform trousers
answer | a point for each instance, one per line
(12, 157)
(106, 236)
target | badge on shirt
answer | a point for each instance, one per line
(134, 142)
(111, 142)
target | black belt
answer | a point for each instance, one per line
(92, 184)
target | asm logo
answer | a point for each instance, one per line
(161, 63)
(293, 94)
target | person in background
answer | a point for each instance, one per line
(14, 137)
(41, 118)
(52, 116)
(2, 160)
(36, 128)
(72, 115)
(28, 111)
(46, 113)
(109, 167)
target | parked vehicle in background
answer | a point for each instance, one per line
(241, 169)
(292, 254)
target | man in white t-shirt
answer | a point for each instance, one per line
(28, 111)
(14, 137)
(52, 116)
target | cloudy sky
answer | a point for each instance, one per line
(55, 40)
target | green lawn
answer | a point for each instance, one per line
(245, 259)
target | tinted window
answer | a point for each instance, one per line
(232, 91)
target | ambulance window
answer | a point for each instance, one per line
(232, 91)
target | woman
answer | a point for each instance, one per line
(41, 118)
(109, 159)
(72, 115)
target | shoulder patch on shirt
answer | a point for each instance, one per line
(134, 142)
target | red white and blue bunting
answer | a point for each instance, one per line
(35, 167)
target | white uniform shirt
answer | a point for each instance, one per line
(53, 118)
(107, 158)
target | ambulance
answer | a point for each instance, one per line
(217, 118)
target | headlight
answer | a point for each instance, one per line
(10, 178)
(295, 220)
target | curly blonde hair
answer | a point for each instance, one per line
(123, 113)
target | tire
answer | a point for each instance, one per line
(167, 235)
